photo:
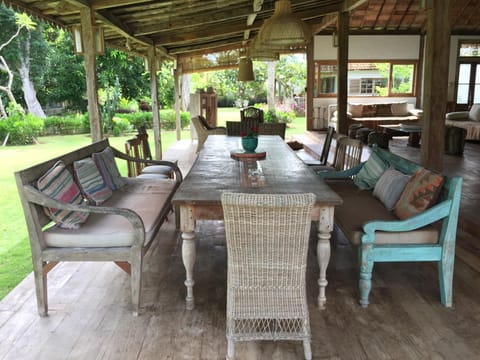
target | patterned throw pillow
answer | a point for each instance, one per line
(107, 166)
(57, 183)
(384, 110)
(370, 172)
(91, 181)
(420, 193)
(390, 186)
(369, 110)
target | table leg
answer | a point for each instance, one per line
(414, 139)
(189, 252)
(325, 227)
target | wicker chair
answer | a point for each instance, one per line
(203, 132)
(267, 241)
(272, 129)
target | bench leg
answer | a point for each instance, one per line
(445, 274)
(366, 268)
(136, 283)
(41, 287)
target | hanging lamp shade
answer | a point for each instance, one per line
(245, 70)
(284, 30)
(259, 53)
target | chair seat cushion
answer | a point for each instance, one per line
(146, 197)
(157, 169)
(360, 206)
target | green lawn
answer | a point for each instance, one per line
(14, 245)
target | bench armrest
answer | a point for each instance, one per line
(344, 174)
(35, 196)
(427, 217)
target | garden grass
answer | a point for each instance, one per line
(14, 244)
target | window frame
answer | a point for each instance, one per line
(391, 63)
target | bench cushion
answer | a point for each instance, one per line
(58, 184)
(360, 206)
(144, 196)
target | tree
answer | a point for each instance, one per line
(21, 43)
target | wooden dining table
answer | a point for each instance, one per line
(222, 166)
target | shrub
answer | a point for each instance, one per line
(65, 125)
(120, 126)
(270, 116)
(284, 114)
(20, 128)
(138, 119)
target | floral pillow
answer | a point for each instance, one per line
(370, 172)
(420, 193)
(57, 183)
(91, 181)
(107, 166)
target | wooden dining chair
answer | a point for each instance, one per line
(348, 153)
(134, 148)
(251, 113)
(147, 155)
(267, 242)
(326, 146)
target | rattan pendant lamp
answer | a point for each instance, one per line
(259, 53)
(245, 69)
(284, 30)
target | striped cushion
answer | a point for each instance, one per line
(91, 182)
(58, 184)
(107, 166)
(370, 172)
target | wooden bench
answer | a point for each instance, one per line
(121, 229)
(381, 236)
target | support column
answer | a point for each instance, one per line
(178, 99)
(89, 49)
(342, 95)
(152, 70)
(435, 84)
(310, 85)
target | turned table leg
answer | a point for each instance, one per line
(325, 227)
(188, 252)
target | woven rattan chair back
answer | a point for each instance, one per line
(267, 242)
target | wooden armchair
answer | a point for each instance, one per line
(267, 242)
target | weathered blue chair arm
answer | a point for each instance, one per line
(427, 217)
(345, 174)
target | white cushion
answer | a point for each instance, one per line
(474, 113)
(457, 115)
(400, 109)
(145, 197)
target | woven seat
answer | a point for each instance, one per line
(267, 241)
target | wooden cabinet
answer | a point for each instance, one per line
(204, 104)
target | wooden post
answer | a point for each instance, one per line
(342, 96)
(178, 99)
(435, 84)
(89, 50)
(152, 70)
(310, 85)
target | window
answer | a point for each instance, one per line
(383, 78)
(469, 48)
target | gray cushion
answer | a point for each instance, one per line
(390, 186)
(474, 113)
